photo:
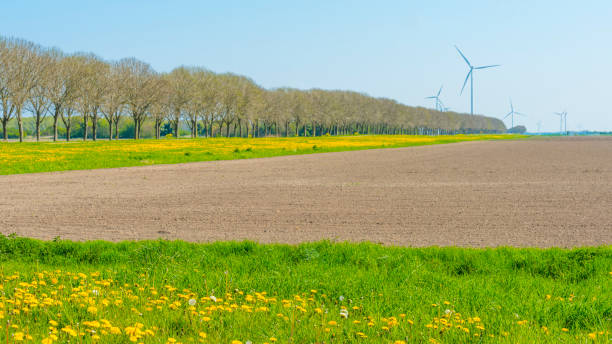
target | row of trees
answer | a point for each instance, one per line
(43, 82)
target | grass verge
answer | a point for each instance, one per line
(239, 292)
(29, 157)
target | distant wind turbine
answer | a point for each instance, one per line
(512, 113)
(562, 117)
(439, 106)
(470, 75)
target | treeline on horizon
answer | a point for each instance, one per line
(45, 91)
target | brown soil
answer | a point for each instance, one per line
(536, 192)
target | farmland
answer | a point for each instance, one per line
(341, 246)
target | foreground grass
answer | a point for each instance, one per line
(29, 157)
(166, 292)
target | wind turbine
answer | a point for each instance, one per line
(562, 116)
(470, 75)
(512, 113)
(437, 98)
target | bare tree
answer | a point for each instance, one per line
(113, 99)
(204, 98)
(75, 69)
(141, 90)
(180, 81)
(39, 102)
(8, 109)
(93, 89)
(82, 98)
(161, 107)
(22, 76)
(63, 83)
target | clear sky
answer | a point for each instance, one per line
(555, 55)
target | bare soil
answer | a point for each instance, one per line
(535, 192)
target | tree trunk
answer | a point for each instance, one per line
(176, 128)
(227, 129)
(37, 127)
(55, 127)
(94, 125)
(117, 128)
(85, 119)
(68, 133)
(140, 122)
(110, 130)
(4, 132)
(135, 129)
(20, 122)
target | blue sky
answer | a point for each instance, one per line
(555, 55)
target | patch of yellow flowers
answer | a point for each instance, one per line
(60, 306)
(61, 155)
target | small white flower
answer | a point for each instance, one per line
(213, 298)
(192, 302)
(448, 311)
(344, 313)
(248, 342)
(341, 298)
(95, 292)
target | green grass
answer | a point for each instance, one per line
(494, 288)
(29, 157)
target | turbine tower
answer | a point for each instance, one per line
(512, 113)
(439, 106)
(470, 75)
(562, 117)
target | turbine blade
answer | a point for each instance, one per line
(466, 79)
(506, 116)
(432, 97)
(465, 58)
(483, 67)
(440, 91)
